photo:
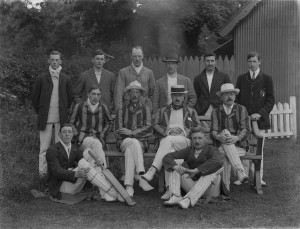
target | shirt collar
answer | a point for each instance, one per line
(173, 76)
(256, 72)
(139, 68)
(93, 107)
(65, 146)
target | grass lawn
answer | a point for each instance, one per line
(279, 206)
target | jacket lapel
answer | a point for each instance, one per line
(93, 76)
(164, 85)
(204, 80)
(62, 151)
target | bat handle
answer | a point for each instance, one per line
(94, 156)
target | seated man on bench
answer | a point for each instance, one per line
(202, 177)
(92, 119)
(133, 125)
(230, 129)
(172, 125)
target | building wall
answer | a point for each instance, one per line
(273, 29)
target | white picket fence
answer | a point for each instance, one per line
(283, 120)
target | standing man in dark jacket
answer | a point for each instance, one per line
(207, 84)
(51, 98)
(99, 76)
(256, 94)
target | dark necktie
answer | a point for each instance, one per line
(253, 76)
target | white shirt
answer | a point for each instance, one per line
(138, 69)
(172, 81)
(256, 73)
(209, 76)
(98, 75)
(176, 119)
(228, 109)
(93, 107)
(67, 148)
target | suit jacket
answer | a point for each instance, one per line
(206, 97)
(88, 78)
(257, 96)
(160, 97)
(128, 75)
(58, 165)
(41, 96)
(162, 117)
(208, 161)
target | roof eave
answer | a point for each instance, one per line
(237, 17)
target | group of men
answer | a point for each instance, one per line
(135, 97)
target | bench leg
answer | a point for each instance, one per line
(161, 180)
(257, 178)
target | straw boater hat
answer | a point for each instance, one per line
(178, 89)
(134, 85)
(227, 87)
(171, 57)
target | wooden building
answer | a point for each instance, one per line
(271, 27)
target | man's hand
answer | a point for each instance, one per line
(179, 169)
(191, 172)
(256, 116)
(124, 131)
(232, 139)
(175, 131)
(222, 138)
(82, 172)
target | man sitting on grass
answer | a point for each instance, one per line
(202, 175)
(63, 174)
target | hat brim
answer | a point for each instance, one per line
(236, 91)
(179, 92)
(128, 88)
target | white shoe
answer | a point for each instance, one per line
(242, 176)
(263, 183)
(148, 176)
(108, 198)
(120, 198)
(166, 196)
(145, 185)
(129, 190)
(237, 182)
(185, 203)
(173, 200)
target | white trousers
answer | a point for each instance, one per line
(134, 160)
(72, 188)
(96, 146)
(45, 141)
(206, 185)
(167, 145)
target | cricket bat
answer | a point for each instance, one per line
(120, 189)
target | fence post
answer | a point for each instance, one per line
(293, 115)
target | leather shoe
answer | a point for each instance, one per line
(173, 200)
(185, 203)
(166, 196)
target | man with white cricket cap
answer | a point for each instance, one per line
(172, 125)
(133, 126)
(230, 129)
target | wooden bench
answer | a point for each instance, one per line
(255, 143)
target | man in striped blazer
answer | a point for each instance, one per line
(92, 119)
(133, 126)
(172, 125)
(230, 128)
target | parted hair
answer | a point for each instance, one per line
(197, 129)
(93, 87)
(253, 54)
(210, 54)
(55, 53)
(66, 125)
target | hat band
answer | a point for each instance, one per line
(177, 90)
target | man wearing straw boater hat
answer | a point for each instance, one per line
(172, 126)
(230, 129)
(133, 126)
(64, 177)
(162, 90)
